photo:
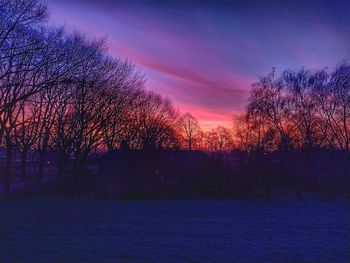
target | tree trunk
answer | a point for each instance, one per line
(24, 157)
(42, 159)
(8, 171)
(76, 164)
(61, 166)
(347, 175)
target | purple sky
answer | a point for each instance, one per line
(204, 55)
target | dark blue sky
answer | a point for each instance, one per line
(205, 54)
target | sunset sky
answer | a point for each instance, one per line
(204, 55)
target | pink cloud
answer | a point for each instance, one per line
(205, 59)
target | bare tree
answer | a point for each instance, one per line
(153, 123)
(333, 104)
(125, 88)
(302, 106)
(190, 130)
(268, 100)
(19, 46)
(219, 140)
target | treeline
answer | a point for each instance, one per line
(61, 92)
(299, 122)
(64, 93)
(301, 110)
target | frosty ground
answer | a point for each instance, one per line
(174, 231)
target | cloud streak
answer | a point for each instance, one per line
(205, 54)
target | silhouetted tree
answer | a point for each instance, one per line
(219, 140)
(190, 130)
(152, 124)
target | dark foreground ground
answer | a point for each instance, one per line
(174, 231)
